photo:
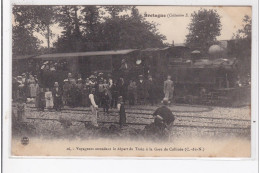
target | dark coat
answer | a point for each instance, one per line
(57, 95)
(142, 89)
(166, 114)
(85, 94)
(73, 98)
(105, 99)
(114, 90)
(122, 115)
(122, 88)
(66, 88)
(151, 88)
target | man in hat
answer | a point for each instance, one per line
(151, 87)
(70, 78)
(168, 88)
(66, 89)
(94, 108)
(124, 68)
(92, 81)
(163, 113)
(73, 94)
(57, 101)
(141, 90)
(163, 117)
(162, 125)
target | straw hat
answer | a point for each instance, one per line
(56, 84)
(92, 77)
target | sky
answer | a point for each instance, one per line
(175, 28)
(175, 20)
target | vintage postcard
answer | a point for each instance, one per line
(132, 81)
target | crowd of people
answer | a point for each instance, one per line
(98, 90)
(74, 92)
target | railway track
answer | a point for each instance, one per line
(148, 115)
(206, 109)
(141, 124)
(136, 118)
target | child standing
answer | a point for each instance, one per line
(49, 99)
(121, 109)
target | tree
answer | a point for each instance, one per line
(23, 40)
(91, 19)
(71, 38)
(44, 18)
(30, 20)
(98, 32)
(90, 23)
(245, 32)
(124, 32)
(205, 26)
(114, 10)
(242, 47)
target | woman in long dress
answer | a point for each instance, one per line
(32, 86)
(168, 88)
(49, 99)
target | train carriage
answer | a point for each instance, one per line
(198, 78)
(81, 64)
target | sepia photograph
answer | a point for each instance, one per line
(131, 81)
